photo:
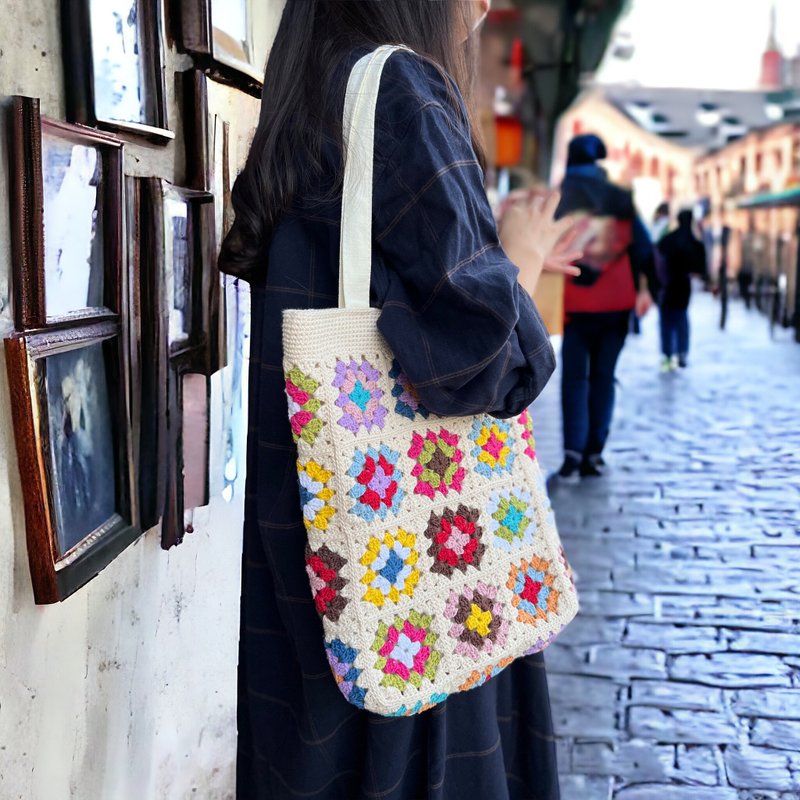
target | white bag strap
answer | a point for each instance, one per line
(358, 128)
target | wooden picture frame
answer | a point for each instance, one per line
(231, 37)
(118, 81)
(64, 178)
(165, 359)
(69, 393)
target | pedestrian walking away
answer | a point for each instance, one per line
(617, 277)
(681, 255)
(457, 313)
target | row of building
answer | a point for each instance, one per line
(734, 156)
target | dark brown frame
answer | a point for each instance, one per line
(79, 69)
(56, 576)
(27, 216)
(161, 368)
(196, 37)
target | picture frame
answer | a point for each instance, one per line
(232, 37)
(66, 210)
(174, 275)
(118, 81)
(69, 393)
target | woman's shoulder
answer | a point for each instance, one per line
(412, 84)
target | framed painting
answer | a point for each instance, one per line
(233, 35)
(148, 358)
(66, 208)
(117, 82)
(174, 276)
(70, 405)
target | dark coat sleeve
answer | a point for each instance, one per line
(462, 328)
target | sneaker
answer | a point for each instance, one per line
(674, 363)
(666, 365)
(570, 472)
(593, 466)
(683, 361)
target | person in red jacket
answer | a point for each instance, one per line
(617, 277)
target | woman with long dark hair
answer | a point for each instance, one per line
(457, 313)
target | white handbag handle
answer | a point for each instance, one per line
(358, 128)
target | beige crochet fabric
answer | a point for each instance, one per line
(432, 552)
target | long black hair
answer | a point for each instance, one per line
(303, 97)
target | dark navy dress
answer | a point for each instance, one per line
(471, 340)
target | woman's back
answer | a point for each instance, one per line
(470, 340)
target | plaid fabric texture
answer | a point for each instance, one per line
(470, 341)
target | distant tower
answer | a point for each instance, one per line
(772, 60)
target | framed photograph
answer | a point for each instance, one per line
(117, 82)
(174, 276)
(234, 35)
(70, 405)
(66, 208)
(148, 354)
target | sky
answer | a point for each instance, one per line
(701, 43)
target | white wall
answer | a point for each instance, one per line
(126, 691)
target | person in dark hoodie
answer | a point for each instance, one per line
(682, 255)
(617, 277)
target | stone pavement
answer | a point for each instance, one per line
(680, 680)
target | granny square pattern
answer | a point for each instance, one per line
(511, 518)
(493, 448)
(391, 564)
(323, 569)
(359, 396)
(455, 540)
(406, 653)
(376, 490)
(407, 402)
(437, 466)
(303, 406)
(433, 558)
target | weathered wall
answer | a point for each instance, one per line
(126, 690)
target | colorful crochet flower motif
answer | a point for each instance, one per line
(479, 677)
(408, 403)
(323, 568)
(455, 540)
(542, 644)
(419, 707)
(478, 621)
(406, 653)
(534, 595)
(391, 568)
(315, 495)
(511, 518)
(377, 488)
(492, 438)
(342, 660)
(528, 439)
(303, 406)
(438, 463)
(359, 396)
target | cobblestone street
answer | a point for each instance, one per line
(681, 678)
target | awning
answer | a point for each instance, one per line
(788, 197)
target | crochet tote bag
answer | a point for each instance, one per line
(432, 551)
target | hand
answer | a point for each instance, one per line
(535, 241)
(644, 302)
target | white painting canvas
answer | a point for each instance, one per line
(178, 269)
(73, 246)
(118, 84)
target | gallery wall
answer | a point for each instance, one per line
(127, 688)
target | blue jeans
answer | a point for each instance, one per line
(592, 344)
(674, 331)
